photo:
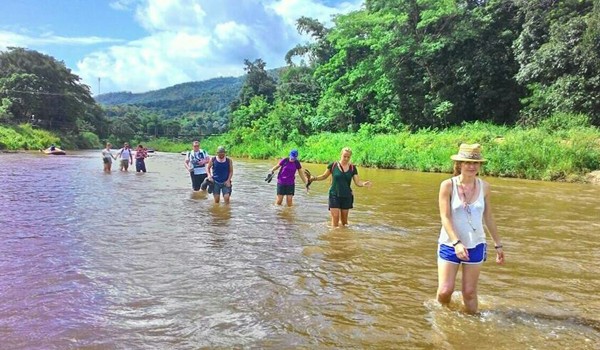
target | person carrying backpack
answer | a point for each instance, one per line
(126, 157)
(286, 178)
(341, 198)
(195, 163)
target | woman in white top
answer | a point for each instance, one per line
(464, 202)
(107, 158)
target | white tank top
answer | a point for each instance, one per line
(470, 234)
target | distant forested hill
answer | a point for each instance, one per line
(213, 95)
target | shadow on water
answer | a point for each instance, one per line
(537, 319)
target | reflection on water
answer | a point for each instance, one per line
(137, 261)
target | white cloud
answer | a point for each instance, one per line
(193, 40)
(291, 10)
(20, 40)
(159, 15)
(121, 5)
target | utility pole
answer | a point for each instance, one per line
(98, 85)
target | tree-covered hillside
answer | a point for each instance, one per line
(211, 95)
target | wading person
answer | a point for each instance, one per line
(286, 178)
(464, 202)
(140, 155)
(220, 171)
(341, 198)
(195, 163)
(107, 158)
(126, 157)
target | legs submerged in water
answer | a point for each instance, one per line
(339, 217)
(446, 281)
(289, 200)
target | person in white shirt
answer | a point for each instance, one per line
(195, 163)
(126, 156)
(464, 202)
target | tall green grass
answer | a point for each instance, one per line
(25, 137)
(552, 151)
(542, 153)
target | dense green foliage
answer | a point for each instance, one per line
(410, 64)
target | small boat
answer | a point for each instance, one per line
(56, 151)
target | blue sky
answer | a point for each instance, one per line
(142, 45)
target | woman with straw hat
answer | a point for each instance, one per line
(464, 202)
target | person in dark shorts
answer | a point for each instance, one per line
(341, 198)
(195, 163)
(140, 155)
(286, 178)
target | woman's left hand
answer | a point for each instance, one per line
(499, 256)
(367, 184)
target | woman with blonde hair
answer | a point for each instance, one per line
(341, 198)
(464, 203)
(107, 158)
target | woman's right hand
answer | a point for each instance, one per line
(461, 252)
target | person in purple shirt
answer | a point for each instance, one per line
(286, 179)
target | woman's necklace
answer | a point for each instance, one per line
(466, 202)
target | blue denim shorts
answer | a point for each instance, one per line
(477, 255)
(221, 188)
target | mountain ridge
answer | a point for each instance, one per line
(226, 87)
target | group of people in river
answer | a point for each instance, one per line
(464, 206)
(125, 156)
(463, 200)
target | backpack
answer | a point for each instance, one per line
(285, 162)
(337, 164)
(192, 156)
(351, 169)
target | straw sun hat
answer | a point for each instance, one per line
(468, 153)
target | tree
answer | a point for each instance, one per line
(319, 51)
(257, 83)
(39, 85)
(559, 55)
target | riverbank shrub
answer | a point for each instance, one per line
(548, 152)
(25, 137)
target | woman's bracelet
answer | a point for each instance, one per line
(498, 246)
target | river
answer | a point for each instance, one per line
(90, 260)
